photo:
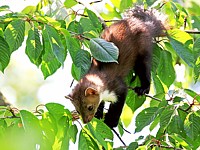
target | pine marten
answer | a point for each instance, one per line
(133, 35)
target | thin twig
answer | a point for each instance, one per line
(125, 129)
(157, 99)
(119, 137)
(192, 32)
(72, 83)
(95, 2)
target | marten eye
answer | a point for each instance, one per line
(90, 108)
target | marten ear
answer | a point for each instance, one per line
(69, 97)
(91, 91)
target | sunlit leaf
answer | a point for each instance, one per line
(14, 34)
(73, 130)
(4, 7)
(55, 109)
(32, 127)
(70, 3)
(97, 136)
(192, 94)
(86, 142)
(34, 47)
(181, 141)
(125, 4)
(54, 52)
(29, 10)
(56, 44)
(184, 52)
(4, 54)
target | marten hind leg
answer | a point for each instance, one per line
(143, 70)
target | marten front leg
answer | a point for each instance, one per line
(115, 109)
(99, 113)
(143, 70)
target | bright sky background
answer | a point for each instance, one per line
(55, 87)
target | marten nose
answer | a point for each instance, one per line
(88, 118)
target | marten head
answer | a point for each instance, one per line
(86, 97)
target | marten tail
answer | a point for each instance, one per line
(154, 20)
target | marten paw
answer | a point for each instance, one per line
(141, 90)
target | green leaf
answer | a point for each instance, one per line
(4, 54)
(49, 127)
(125, 4)
(86, 142)
(86, 25)
(34, 46)
(197, 70)
(184, 52)
(102, 129)
(29, 10)
(54, 54)
(166, 70)
(95, 21)
(56, 44)
(32, 127)
(83, 61)
(158, 87)
(75, 27)
(14, 34)
(132, 146)
(104, 51)
(155, 57)
(166, 117)
(120, 127)
(4, 7)
(97, 136)
(113, 13)
(76, 72)
(70, 3)
(57, 110)
(196, 48)
(192, 126)
(192, 94)
(181, 141)
(116, 3)
(145, 117)
(132, 99)
(176, 126)
(73, 130)
(73, 46)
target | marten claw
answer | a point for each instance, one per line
(141, 90)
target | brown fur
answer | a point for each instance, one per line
(133, 36)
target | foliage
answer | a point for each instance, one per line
(173, 109)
